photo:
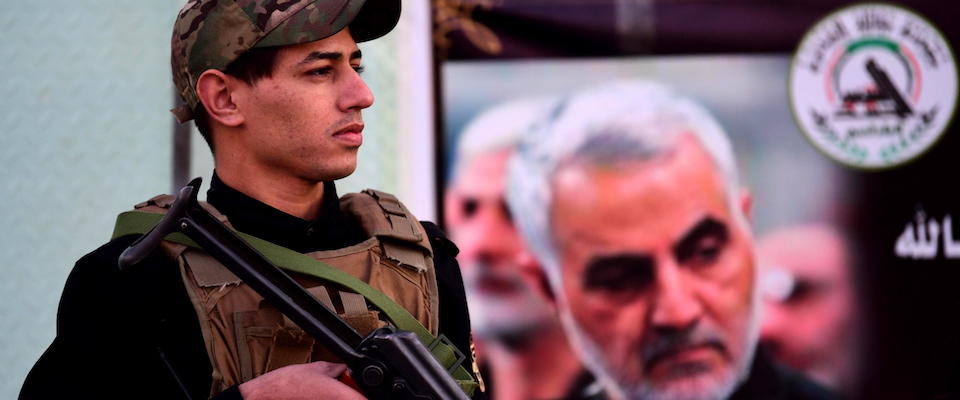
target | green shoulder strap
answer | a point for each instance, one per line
(140, 222)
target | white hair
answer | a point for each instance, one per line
(615, 122)
(609, 124)
(500, 127)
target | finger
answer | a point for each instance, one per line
(328, 368)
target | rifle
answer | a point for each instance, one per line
(387, 364)
(901, 108)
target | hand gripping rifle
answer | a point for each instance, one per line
(387, 364)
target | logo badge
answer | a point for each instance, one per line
(873, 86)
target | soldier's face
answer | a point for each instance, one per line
(305, 119)
(657, 274)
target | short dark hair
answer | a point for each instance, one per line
(250, 67)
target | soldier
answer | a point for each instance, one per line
(275, 89)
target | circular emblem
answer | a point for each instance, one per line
(873, 85)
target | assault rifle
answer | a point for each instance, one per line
(387, 364)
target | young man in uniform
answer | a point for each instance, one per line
(274, 87)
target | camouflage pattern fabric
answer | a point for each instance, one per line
(210, 34)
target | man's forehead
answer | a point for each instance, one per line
(340, 44)
(789, 248)
(484, 173)
(639, 239)
(687, 171)
(488, 163)
(651, 207)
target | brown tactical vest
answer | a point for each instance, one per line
(246, 337)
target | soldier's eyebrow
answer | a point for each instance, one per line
(315, 56)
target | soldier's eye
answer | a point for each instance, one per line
(359, 69)
(323, 71)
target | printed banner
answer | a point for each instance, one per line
(704, 197)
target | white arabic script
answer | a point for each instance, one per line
(920, 241)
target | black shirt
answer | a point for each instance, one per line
(771, 381)
(330, 230)
(134, 333)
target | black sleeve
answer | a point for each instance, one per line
(454, 319)
(769, 380)
(123, 334)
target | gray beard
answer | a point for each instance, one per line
(493, 316)
(705, 388)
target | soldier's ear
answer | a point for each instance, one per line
(215, 90)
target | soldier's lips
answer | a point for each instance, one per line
(350, 135)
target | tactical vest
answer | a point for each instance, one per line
(245, 336)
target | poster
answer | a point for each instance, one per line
(856, 260)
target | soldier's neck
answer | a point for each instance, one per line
(290, 194)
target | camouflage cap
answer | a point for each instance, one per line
(210, 34)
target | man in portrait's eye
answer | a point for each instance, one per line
(630, 199)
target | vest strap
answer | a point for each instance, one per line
(401, 227)
(140, 222)
(353, 304)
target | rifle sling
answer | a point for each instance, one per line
(140, 222)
